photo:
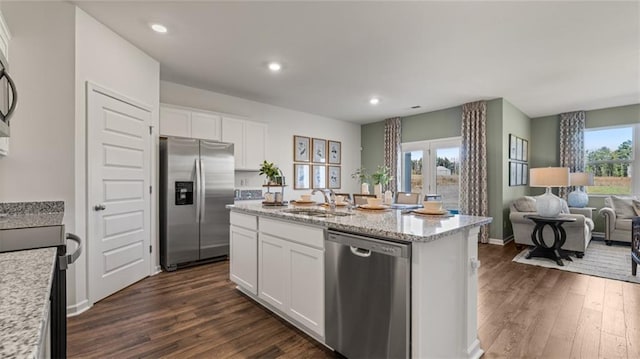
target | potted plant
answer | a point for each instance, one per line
(381, 177)
(362, 175)
(271, 171)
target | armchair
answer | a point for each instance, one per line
(578, 232)
(618, 213)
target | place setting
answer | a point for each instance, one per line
(374, 205)
(339, 200)
(432, 208)
(304, 200)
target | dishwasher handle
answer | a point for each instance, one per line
(364, 253)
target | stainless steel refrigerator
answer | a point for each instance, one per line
(196, 183)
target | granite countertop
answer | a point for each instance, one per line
(25, 285)
(392, 224)
(31, 214)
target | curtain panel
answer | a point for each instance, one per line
(473, 173)
(571, 144)
(392, 138)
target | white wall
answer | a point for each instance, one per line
(109, 61)
(283, 125)
(40, 165)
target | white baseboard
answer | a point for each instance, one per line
(500, 242)
(78, 308)
(156, 270)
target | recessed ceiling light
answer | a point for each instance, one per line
(374, 101)
(159, 28)
(274, 66)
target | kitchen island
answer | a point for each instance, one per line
(277, 258)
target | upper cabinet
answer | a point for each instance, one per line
(185, 122)
(249, 139)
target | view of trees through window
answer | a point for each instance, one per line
(609, 156)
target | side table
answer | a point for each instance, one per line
(541, 248)
(585, 211)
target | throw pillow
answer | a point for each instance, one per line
(623, 207)
(525, 204)
(636, 206)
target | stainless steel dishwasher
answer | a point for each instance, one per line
(367, 296)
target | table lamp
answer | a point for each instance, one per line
(579, 197)
(549, 205)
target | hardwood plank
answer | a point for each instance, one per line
(523, 312)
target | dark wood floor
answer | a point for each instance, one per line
(523, 311)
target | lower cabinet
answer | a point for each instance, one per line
(243, 254)
(291, 274)
(243, 251)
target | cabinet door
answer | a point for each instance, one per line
(205, 126)
(233, 132)
(272, 271)
(306, 294)
(255, 138)
(175, 122)
(243, 258)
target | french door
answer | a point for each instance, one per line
(433, 168)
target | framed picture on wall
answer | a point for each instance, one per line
(301, 149)
(319, 150)
(525, 150)
(302, 177)
(512, 147)
(335, 152)
(318, 176)
(512, 173)
(519, 148)
(525, 174)
(518, 174)
(334, 177)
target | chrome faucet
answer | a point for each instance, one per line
(329, 199)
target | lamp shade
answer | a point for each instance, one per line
(581, 179)
(549, 177)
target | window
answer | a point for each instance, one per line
(611, 154)
(432, 167)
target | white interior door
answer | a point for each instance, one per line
(119, 159)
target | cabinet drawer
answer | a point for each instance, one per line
(306, 235)
(244, 220)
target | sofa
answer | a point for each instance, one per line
(578, 232)
(618, 212)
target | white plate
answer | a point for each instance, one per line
(304, 202)
(425, 211)
(382, 206)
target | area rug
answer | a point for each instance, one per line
(600, 260)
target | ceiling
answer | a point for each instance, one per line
(543, 57)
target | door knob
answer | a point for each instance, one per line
(100, 207)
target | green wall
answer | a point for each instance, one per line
(517, 123)
(432, 125)
(372, 141)
(545, 142)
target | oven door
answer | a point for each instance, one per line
(8, 97)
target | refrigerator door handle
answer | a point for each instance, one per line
(198, 190)
(203, 192)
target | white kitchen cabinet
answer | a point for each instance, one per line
(272, 271)
(249, 139)
(291, 271)
(185, 122)
(5, 37)
(243, 251)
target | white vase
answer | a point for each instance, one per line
(364, 188)
(377, 190)
(548, 205)
(388, 197)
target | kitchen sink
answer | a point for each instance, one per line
(316, 212)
